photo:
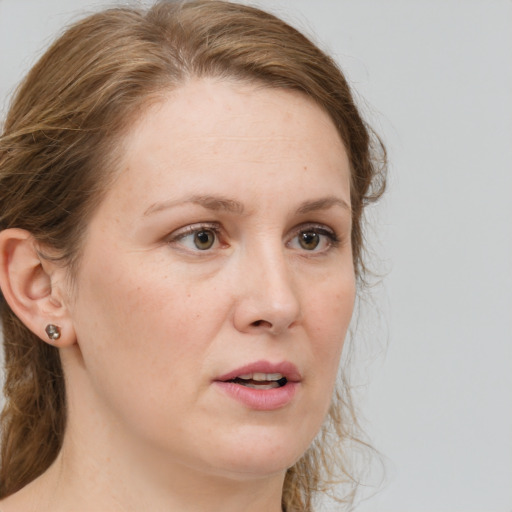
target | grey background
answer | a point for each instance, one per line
(435, 79)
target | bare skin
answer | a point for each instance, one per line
(224, 241)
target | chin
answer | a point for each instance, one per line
(255, 468)
(262, 454)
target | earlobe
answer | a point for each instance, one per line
(28, 288)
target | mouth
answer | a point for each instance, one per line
(261, 380)
(262, 386)
(263, 373)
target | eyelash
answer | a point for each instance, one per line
(194, 229)
(333, 240)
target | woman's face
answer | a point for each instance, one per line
(217, 282)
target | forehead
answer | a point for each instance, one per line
(212, 133)
(214, 108)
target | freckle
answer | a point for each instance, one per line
(305, 167)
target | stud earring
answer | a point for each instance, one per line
(53, 331)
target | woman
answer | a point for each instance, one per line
(181, 198)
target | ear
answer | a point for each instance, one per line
(34, 287)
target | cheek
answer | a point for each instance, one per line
(141, 320)
(328, 317)
(329, 311)
(141, 337)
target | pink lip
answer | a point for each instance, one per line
(262, 399)
(286, 369)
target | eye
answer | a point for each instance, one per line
(204, 239)
(309, 240)
(314, 238)
(196, 238)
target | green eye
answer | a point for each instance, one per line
(309, 240)
(204, 239)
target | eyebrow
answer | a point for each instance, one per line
(221, 203)
(322, 204)
(215, 203)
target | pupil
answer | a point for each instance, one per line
(309, 240)
(204, 239)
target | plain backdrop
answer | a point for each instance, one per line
(435, 79)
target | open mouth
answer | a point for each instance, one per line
(261, 385)
(260, 380)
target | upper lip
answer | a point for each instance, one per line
(285, 368)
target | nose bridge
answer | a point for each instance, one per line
(267, 294)
(275, 272)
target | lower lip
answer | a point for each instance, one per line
(260, 399)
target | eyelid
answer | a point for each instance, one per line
(321, 229)
(314, 226)
(333, 240)
(194, 228)
(181, 233)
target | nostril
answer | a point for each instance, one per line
(261, 323)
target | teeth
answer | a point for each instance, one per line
(262, 377)
(271, 385)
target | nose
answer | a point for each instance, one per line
(267, 300)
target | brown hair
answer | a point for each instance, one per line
(59, 140)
